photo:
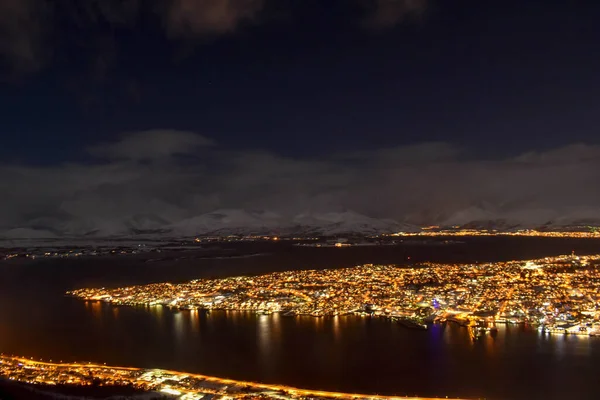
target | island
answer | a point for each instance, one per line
(556, 294)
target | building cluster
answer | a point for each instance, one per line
(173, 384)
(130, 248)
(437, 232)
(74, 252)
(115, 247)
(557, 294)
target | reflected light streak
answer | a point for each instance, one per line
(263, 335)
(96, 308)
(336, 328)
(265, 343)
(158, 311)
(179, 327)
(194, 321)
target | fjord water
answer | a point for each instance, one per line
(352, 354)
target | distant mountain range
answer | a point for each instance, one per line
(240, 222)
(220, 222)
(488, 217)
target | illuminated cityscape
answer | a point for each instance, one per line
(557, 294)
(435, 231)
(299, 199)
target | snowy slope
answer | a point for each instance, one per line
(242, 222)
(229, 221)
(347, 222)
(530, 218)
(219, 222)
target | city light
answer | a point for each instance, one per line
(180, 385)
(558, 294)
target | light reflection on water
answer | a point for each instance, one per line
(179, 327)
(96, 308)
(347, 353)
(268, 340)
(264, 334)
(350, 353)
(188, 324)
(157, 312)
(336, 328)
(194, 322)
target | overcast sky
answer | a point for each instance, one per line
(424, 111)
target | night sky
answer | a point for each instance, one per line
(425, 111)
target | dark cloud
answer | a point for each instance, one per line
(22, 28)
(140, 183)
(212, 17)
(27, 27)
(417, 153)
(385, 14)
(93, 12)
(30, 29)
(575, 153)
(151, 145)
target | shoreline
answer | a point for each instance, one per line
(178, 382)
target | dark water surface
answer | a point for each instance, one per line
(350, 353)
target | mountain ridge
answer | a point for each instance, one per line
(223, 222)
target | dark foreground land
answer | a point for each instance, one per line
(10, 390)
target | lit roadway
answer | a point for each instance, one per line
(254, 385)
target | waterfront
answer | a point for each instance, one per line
(350, 353)
(560, 294)
(182, 385)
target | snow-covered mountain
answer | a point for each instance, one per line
(347, 222)
(244, 222)
(219, 222)
(523, 218)
(229, 221)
